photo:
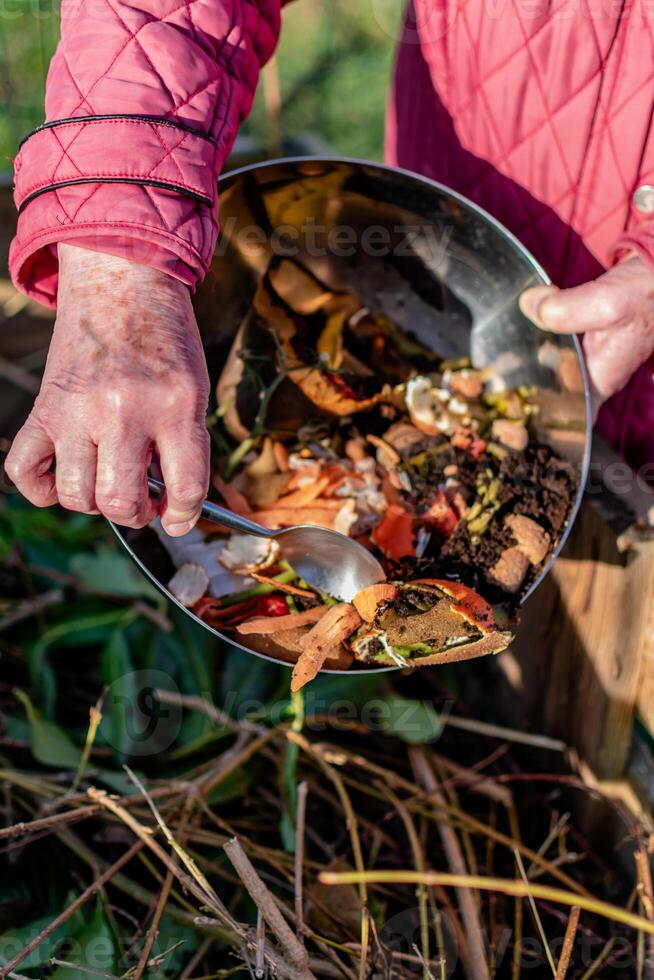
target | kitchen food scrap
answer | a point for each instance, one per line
(328, 414)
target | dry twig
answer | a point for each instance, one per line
(419, 860)
(197, 888)
(534, 910)
(164, 895)
(465, 897)
(568, 943)
(28, 607)
(263, 898)
(353, 828)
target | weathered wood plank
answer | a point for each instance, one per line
(646, 683)
(576, 668)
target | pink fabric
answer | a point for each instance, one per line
(540, 111)
(194, 61)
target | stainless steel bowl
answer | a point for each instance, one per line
(437, 264)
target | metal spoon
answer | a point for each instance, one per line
(328, 560)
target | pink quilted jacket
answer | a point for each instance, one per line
(540, 110)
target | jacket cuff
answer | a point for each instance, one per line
(162, 214)
(639, 239)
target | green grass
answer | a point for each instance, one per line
(335, 62)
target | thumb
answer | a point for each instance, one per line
(531, 301)
(587, 307)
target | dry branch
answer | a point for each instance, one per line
(419, 861)
(465, 897)
(205, 898)
(162, 901)
(27, 608)
(265, 901)
(534, 910)
(568, 944)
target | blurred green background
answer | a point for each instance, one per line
(334, 61)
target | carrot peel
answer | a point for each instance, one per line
(334, 627)
(273, 624)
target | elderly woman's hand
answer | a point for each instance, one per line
(614, 312)
(125, 378)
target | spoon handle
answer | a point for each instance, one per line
(219, 515)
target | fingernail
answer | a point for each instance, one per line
(177, 529)
(531, 301)
(527, 304)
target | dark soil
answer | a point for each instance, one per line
(535, 483)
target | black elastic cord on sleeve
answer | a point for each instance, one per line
(143, 182)
(158, 120)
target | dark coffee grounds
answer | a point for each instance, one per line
(535, 483)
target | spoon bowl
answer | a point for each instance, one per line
(327, 560)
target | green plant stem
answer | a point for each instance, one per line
(508, 886)
(257, 590)
(296, 712)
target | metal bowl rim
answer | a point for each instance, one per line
(538, 269)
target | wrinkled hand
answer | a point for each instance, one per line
(614, 312)
(125, 378)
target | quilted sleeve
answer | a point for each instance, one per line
(143, 101)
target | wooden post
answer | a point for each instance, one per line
(576, 669)
(645, 702)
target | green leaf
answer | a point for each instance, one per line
(14, 940)
(82, 630)
(185, 656)
(332, 689)
(92, 947)
(94, 627)
(246, 678)
(113, 572)
(51, 746)
(291, 756)
(6, 544)
(118, 674)
(290, 796)
(27, 524)
(42, 676)
(287, 833)
(414, 722)
(17, 727)
(47, 537)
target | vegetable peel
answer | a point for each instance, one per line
(332, 629)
